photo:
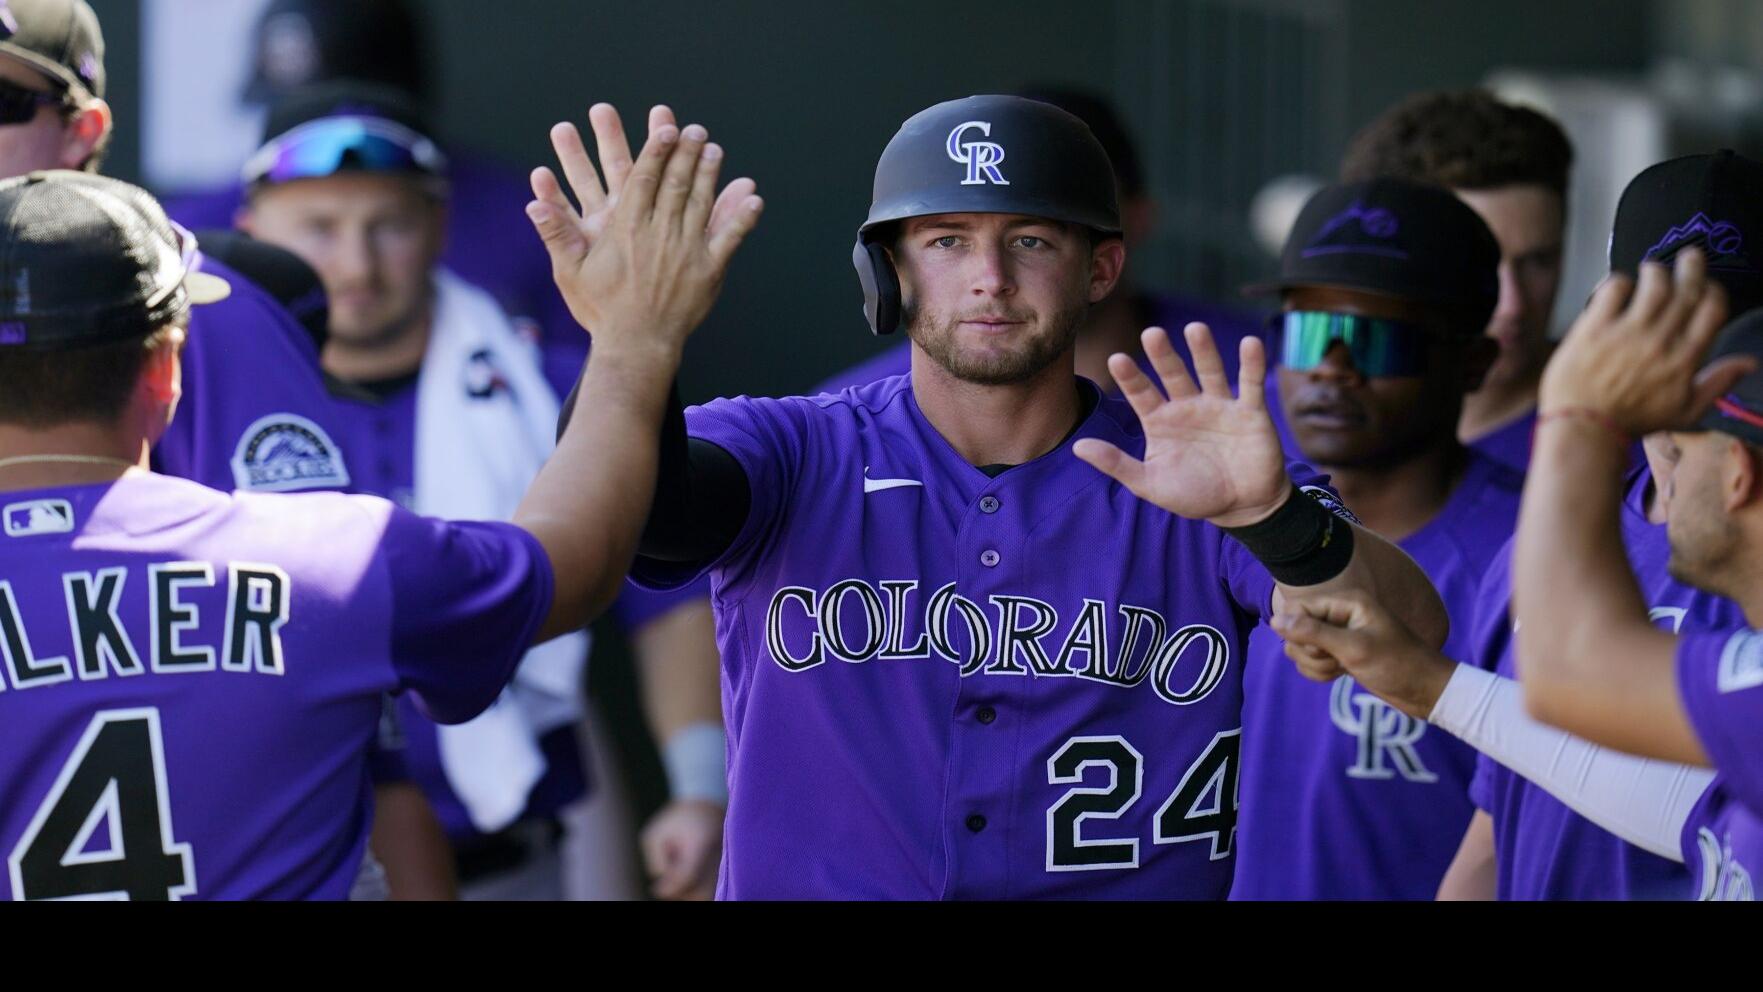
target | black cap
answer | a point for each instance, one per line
(303, 42)
(342, 98)
(87, 260)
(59, 38)
(278, 272)
(995, 155)
(1712, 202)
(1396, 238)
(1740, 411)
(346, 125)
(1104, 122)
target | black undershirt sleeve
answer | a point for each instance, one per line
(702, 495)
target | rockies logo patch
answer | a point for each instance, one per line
(284, 452)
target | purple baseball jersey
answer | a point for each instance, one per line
(255, 413)
(1720, 677)
(1172, 313)
(1509, 445)
(943, 684)
(1545, 850)
(490, 243)
(192, 678)
(1345, 797)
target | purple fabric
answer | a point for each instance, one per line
(1343, 796)
(958, 686)
(1509, 445)
(1544, 849)
(263, 723)
(255, 413)
(1720, 677)
(1172, 313)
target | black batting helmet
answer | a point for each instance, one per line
(982, 154)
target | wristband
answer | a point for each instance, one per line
(697, 763)
(1302, 543)
(1588, 414)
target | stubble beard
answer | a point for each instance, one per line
(938, 335)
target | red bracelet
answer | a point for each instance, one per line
(1584, 413)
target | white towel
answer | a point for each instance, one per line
(486, 420)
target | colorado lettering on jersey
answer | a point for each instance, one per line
(854, 621)
(250, 639)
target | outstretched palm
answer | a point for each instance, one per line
(1208, 456)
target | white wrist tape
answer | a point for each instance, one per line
(697, 763)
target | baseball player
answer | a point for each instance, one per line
(1386, 287)
(1526, 844)
(1115, 323)
(454, 421)
(959, 661)
(1594, 660)
(191, 677)
(1511, 165)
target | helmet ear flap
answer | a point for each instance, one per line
(881, 286)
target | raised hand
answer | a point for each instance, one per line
(682, 849)
(1634, 356)
(678, 187)
(1208, 456)
(1350, 634)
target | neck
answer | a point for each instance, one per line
(998, 425)
(1494, 406)
(1399, 499)
(396, 354)
(119, 450)
(1113, 326)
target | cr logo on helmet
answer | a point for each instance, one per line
(982, 158)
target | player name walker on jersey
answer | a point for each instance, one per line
(943, 683)
(191, 679)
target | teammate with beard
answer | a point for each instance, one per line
(959, 663)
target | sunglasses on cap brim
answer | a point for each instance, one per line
(19, 105)
(331, 145)
(1377, 346)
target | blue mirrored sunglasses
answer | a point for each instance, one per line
(334, 144)
(1377, 346)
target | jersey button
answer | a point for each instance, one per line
(989, 558)
(987, 714)
(976, 823)
(989, 504)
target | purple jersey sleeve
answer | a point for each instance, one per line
(1250, 584)
(1721, 679)
(467, 600)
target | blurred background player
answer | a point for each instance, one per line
(1510, 164)
(300, 43)
(1114, 324)
(1386, 286)
(455, 421)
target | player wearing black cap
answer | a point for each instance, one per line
(937, 625)
(52, 109)
(1385, 288)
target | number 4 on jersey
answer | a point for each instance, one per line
(104, 831)
(1202, 807)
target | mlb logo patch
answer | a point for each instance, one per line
(284, 452)
(38, 516)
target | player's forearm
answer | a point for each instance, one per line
(680, 669)
(1574, 596)
(1385, 573)
(410, 846)
(588, 503)
(1474, 872)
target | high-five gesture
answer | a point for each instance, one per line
(646, 253)
(1208, 456)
